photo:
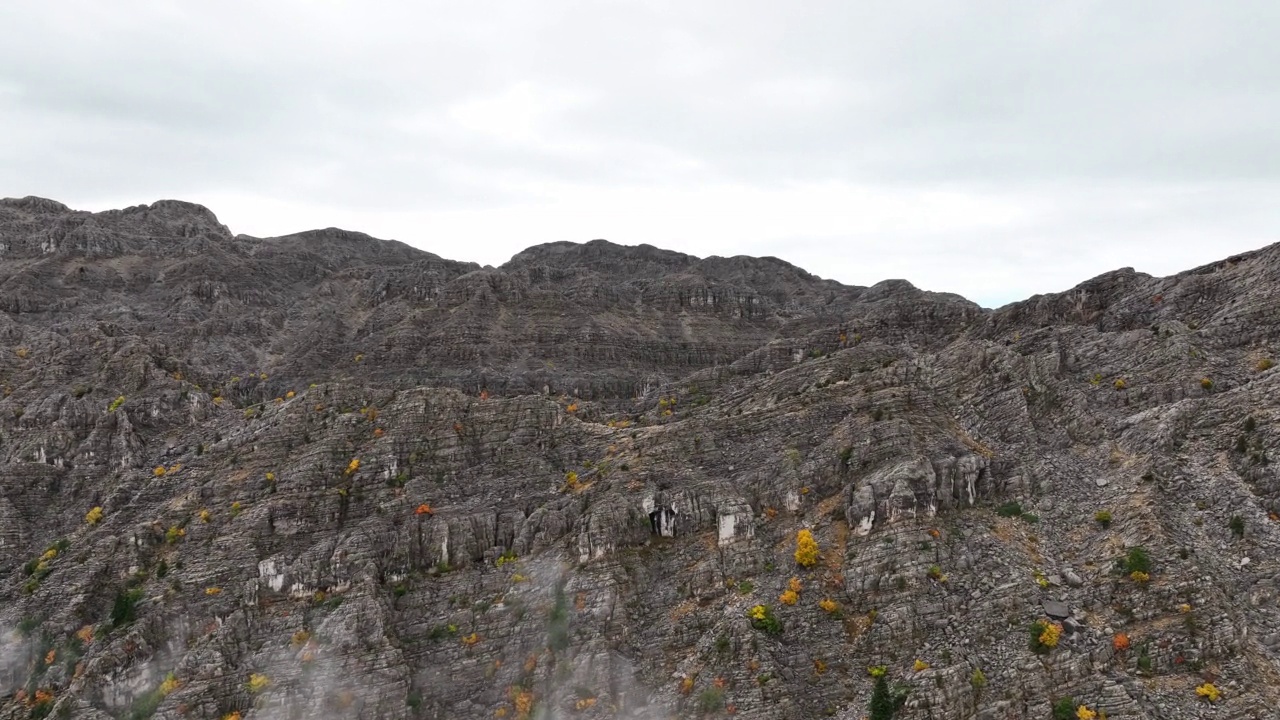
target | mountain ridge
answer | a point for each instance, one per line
(322, 475)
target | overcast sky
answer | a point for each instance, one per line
(996, 150)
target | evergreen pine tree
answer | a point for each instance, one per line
(882, 705)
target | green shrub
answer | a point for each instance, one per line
(1144, 660)
(1009, 509)
(711, 700)
(145, 705)
(1137, 561)
(125, 608)
(1237, 526)
(763, 619)
(558, 625)
(1064, 709)
(1103, 518)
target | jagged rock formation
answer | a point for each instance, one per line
(339, 477)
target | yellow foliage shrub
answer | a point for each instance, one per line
(1050, 635)
(806, 549)
(1209, 692)
(94, 516)
(159, 471)
(524, 704)
(789, 597)
(829, 605)
(258, 682)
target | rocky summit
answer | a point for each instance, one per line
(331, 476)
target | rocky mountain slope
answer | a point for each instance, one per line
(329, 476)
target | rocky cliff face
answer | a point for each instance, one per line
(329, 476)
